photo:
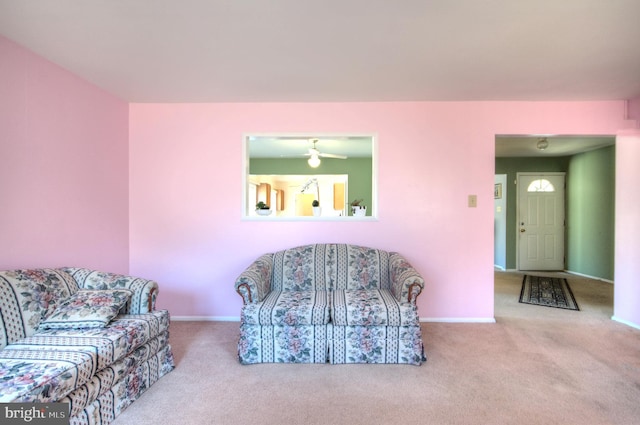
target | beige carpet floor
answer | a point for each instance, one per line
(536, 365)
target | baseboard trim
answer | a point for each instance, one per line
(497, 268)
(458, 319)
(422, 319)
(625, 322)
(205, 318)
(590, 277)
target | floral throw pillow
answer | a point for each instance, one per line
(87, 309)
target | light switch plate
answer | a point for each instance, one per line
(473, 201)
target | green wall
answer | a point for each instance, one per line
(591, 213)
(359, 171)
(589, 207)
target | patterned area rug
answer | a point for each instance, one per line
(547, 291)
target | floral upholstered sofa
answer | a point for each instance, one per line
(90, 339)
(335, 303)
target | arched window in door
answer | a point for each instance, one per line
(541, 185)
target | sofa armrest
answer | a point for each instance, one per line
(145, 291)
(406, 282)
(254, 283)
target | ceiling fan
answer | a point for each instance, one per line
(314, 151)
(314, 155)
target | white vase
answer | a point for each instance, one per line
(317, 211)
(359, 211)
(263, 212)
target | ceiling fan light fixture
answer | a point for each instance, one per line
(314, 161)
(542, 144)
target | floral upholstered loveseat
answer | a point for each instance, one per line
(90, 339)
(335, 303)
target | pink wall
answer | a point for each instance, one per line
(185, 192)
(627, 284)
(63, 168)
(171, 211)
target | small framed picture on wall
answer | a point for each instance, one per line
(497, 191)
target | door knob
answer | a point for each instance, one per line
(522, 230)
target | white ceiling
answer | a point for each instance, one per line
(526, 146)
(342, 50)
(288, 146)
(291, 146)
(338, 50)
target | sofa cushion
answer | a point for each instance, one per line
(87, 309)
(370, 307)
(290, 308)
(359, 267)
(50, 364)
(303, 268)
(27, 296)
(144, 290)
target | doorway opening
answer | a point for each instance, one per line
(588, 163)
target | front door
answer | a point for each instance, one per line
(540, 221)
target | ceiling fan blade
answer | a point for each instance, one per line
(313, 151)
(331, 155)
(303, 155)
